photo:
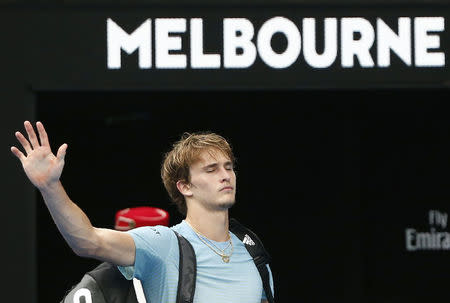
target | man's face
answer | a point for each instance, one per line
(213, 181)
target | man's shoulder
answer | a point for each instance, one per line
(182, 228)
(147, 233)
(160, 232)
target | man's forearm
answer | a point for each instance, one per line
(71, 221)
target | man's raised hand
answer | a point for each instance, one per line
(41, 166)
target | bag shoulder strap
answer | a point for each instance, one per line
(259, 254)
(187, 271)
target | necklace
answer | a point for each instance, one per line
(205, 240)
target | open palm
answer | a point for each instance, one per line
(41, 166)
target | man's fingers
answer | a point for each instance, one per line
(18, 153)
(26, 145)
(42, 134)
(31, 134)
(61, 152)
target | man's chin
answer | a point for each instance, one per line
(227, 205)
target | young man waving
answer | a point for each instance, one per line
(199, 176)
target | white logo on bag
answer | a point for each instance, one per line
(247, 240)
(82, 292)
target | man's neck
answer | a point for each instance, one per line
(213, 225)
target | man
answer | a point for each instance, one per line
(199, 176)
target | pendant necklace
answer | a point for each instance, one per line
(221, 252)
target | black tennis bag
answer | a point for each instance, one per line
(105, 283)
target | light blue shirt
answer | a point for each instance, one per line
(156, 266)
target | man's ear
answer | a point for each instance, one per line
(184, 188)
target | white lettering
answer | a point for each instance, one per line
(238, 34)
(198, 58)
(360, 47)
(437, 218)
(118, 39)
(431, 240)
(266, 32)
(409, 239)
(424, 41)
(387, 40)
(416, 44)
(166, 43)
(444, 220)
(446, 242)
(431, 219)
(309, 43)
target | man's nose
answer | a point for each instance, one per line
(225, 174)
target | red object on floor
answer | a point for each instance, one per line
(133, 217)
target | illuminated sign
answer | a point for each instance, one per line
(348, 42)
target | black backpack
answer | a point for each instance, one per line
(105, 283)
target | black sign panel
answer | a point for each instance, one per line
(266, 48)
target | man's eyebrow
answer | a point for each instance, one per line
(216, 164)
(210, 165)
